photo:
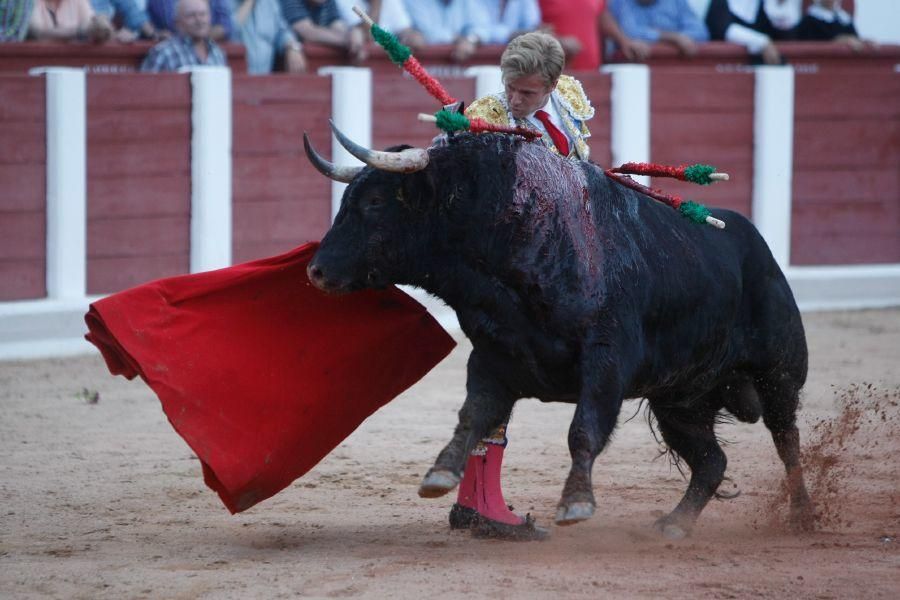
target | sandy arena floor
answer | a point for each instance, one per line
(103, 500)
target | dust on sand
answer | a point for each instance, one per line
(100, 498)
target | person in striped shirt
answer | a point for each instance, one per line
(192, 44)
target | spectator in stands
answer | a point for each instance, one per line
(318, 22)
(192, 44)
(585, 22)
(508, 19)
(67, 20)
(756, 24)
(391, 15)
(262, 29)
(134, 19)
(668, 21)
(163, 13)
(14, 16)
(462, 23)
(825, 20)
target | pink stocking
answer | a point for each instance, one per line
(488, 491)
(466, 495)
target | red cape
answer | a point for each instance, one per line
(261, 373)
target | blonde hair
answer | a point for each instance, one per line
(533, 53)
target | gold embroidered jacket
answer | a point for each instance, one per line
(570, 102)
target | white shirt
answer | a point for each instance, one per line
(555, 118)
(393, 18)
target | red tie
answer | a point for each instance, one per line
(559, 138)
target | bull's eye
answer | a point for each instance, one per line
(375, 201)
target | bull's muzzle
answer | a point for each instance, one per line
(316, 276)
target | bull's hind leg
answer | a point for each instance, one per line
(780, 398)
(692, 437)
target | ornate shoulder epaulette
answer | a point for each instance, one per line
(571, 92)
(489, 108)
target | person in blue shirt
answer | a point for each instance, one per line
(14, 16)
(462, 23)
(510, 18)
(669, 21)
(319, 22)
(260, 26)
(135, 22)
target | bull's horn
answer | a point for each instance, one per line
(342, 174)
(405, 161)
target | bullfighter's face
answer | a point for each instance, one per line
(527, 94)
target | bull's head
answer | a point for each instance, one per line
(375, 231)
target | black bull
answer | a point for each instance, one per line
(575, 289)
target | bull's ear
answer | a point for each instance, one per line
(418, 190)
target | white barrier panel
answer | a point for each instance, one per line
(773, 156)
(211, 231)
(630, 115)
(66, 182)
(351, 111)
(488, 80)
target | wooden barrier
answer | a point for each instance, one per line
(138, 178)
(19, 57)
(396, 102)
(279, 199)
(23, 166)
(701, 116)
(846, 192)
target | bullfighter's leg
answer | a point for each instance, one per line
(480, 491)
(593, 423)
(780, 399)
(693, 438)
(487, 406)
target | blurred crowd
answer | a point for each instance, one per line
(277, 33)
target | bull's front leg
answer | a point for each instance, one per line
(487, 406)
(595, 418)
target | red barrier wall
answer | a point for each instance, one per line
(280, 200)
(138, 179)
(846, 185)
(23, 216)
(699, 115)
(397, 99)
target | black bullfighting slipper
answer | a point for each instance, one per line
(462, 517)
(526, 532)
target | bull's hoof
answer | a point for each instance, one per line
(802, 519)
(569, 514)
(524, 532)
(437, 483)
(671, 529)
(728, 489)
(674, 532)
